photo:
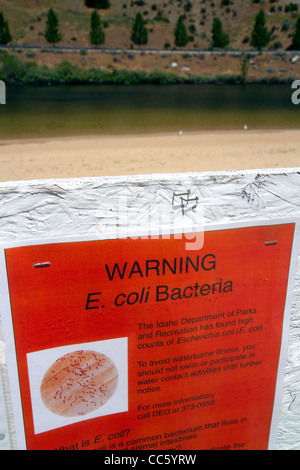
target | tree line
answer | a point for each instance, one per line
(260, 36)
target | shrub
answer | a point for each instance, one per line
(97, 4)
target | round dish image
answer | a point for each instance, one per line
(79, 383)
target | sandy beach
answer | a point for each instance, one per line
(142, 154)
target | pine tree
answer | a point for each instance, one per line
(139, 34)
(181, 35)
(97, 35)
(296, 37)
(52, 33)
(219, 38)
(5, 35)
(260, 35)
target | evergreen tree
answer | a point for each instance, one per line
(219, 38)
(5, 35)
(97, 35)
(139, 34)
(98, 4)
(296, 37)
(52, 33)
(181, 35)
(260, 35)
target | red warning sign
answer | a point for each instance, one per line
(141, 344)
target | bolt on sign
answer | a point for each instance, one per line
(140, 344)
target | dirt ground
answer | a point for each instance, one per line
(261, 66)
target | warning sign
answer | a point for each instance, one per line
(141, 344)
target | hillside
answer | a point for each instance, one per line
(27, 18)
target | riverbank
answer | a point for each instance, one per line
(142, 154)
(52, 66)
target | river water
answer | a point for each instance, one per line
(106, 110)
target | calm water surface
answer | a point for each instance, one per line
(102, 110)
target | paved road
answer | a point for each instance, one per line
(140, 51)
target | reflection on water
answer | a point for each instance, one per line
(100, 110)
